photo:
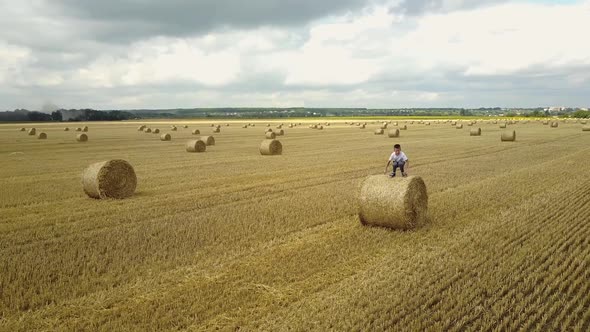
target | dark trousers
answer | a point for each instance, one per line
(399, 164)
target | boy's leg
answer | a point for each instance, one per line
(394, 168)
(401, 167)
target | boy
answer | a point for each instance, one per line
(399, 159)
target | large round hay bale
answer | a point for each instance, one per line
(379, 131)
(459, 126)
(85, 128)
(109, 179)
(586, 128)
(554, 124)
(270, 135)
(196, 145)
(82, 138)
(156, 131)
(508, 136)
(475, 132)
(22, 129)
(393, 132)
(141, 128)
(32, 132)
(399, 203)
(502, 125)
(196, 132)
(271, 147)
(209, 140)
(66, 129)
(42, 136)
(165, 137)
(147, 130)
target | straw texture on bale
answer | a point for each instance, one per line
(475, 132)
(42, 136)
(82, 138)
(554, 124)
(502, 125)
(270, 135)
(32, 131)
(271, 147)
(147, 130)
(85, 128)
(165, 137)
(66, 129)
(508, 136)
(459, 126)
(586, 128)
(109, 179)
(379, 131)
(398, 203)
(156, 131)
(196, 145)
(209, 140)
(393, 132)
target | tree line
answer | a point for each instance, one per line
(22, 115)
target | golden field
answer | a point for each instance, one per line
(233, 240)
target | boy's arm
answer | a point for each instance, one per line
(387, 166)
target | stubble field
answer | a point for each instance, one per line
(230, 239)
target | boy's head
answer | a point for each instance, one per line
(397, 148)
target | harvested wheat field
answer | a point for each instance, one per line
(234, 240)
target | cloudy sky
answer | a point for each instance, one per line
(275, 53)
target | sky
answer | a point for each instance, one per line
(132, 54)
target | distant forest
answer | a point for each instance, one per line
(23, 115)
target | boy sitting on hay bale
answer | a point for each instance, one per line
(399, 159)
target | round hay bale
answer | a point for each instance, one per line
(290, 125)
(393, 132)
(404, 127)
(185, 126)
(85, 129)
(554, 124)
(508, 136)
(320, 127)
(227, 124)
(32, 132)
(427, 123)
(165, 137)
(362, 126)
(42, 136)
(66, 129)
(141, 128)
(281, 132)
(545, 123)
(279, 126)
(109, 179)
(268, 130)
(398, 203)
(384, 125)
(82, 138)
(147, 130)
(22, 129)
(582, 122)
(475, 132)
(245, 126)
(270, 135)
(503, 125)
(196, 132)
(216, 130)
(212, 125)
(209, 140)
(459, 126)
(271, 147)
(453, 123)
(196, 145)
(156, 131)
(586, 128)
(268, 124)
(173, 128)
(379, 131)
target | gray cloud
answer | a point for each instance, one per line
(419, 7)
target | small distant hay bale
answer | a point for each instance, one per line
(459, 126)
(156, 131)
(209, 140)
(173, 128)
(216, 130)
(268, 130)
(196, 145)
(586, 128)
(42, 136)
(383, 125)
(32, 132)
(362, 126)
(252, 125)
(290, 125)
(165, 137)
(502, 125)
(185, 126)
(227, 124)
(82, 138)
(508, 136)
(268, 124)
(66, 129)
(470, 124)
(85, 129)
(427, 123)
(393, 133)
(582, 122)
(494, 122)
(453, 123)
(279, 126)
(545, 123)
(196, 132)
(22, 129)
(147, 130)
(78, 129)
(245, 126)
(379, 131)
(398, 203)
(281, 132)
(404, 127)
(212, 125)
(475, 132)
(554, 124)
(271, 147)
(320, 127)
(109, 179)
(327, 124)
(141, 128)
(270, 135)
(313, 126)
